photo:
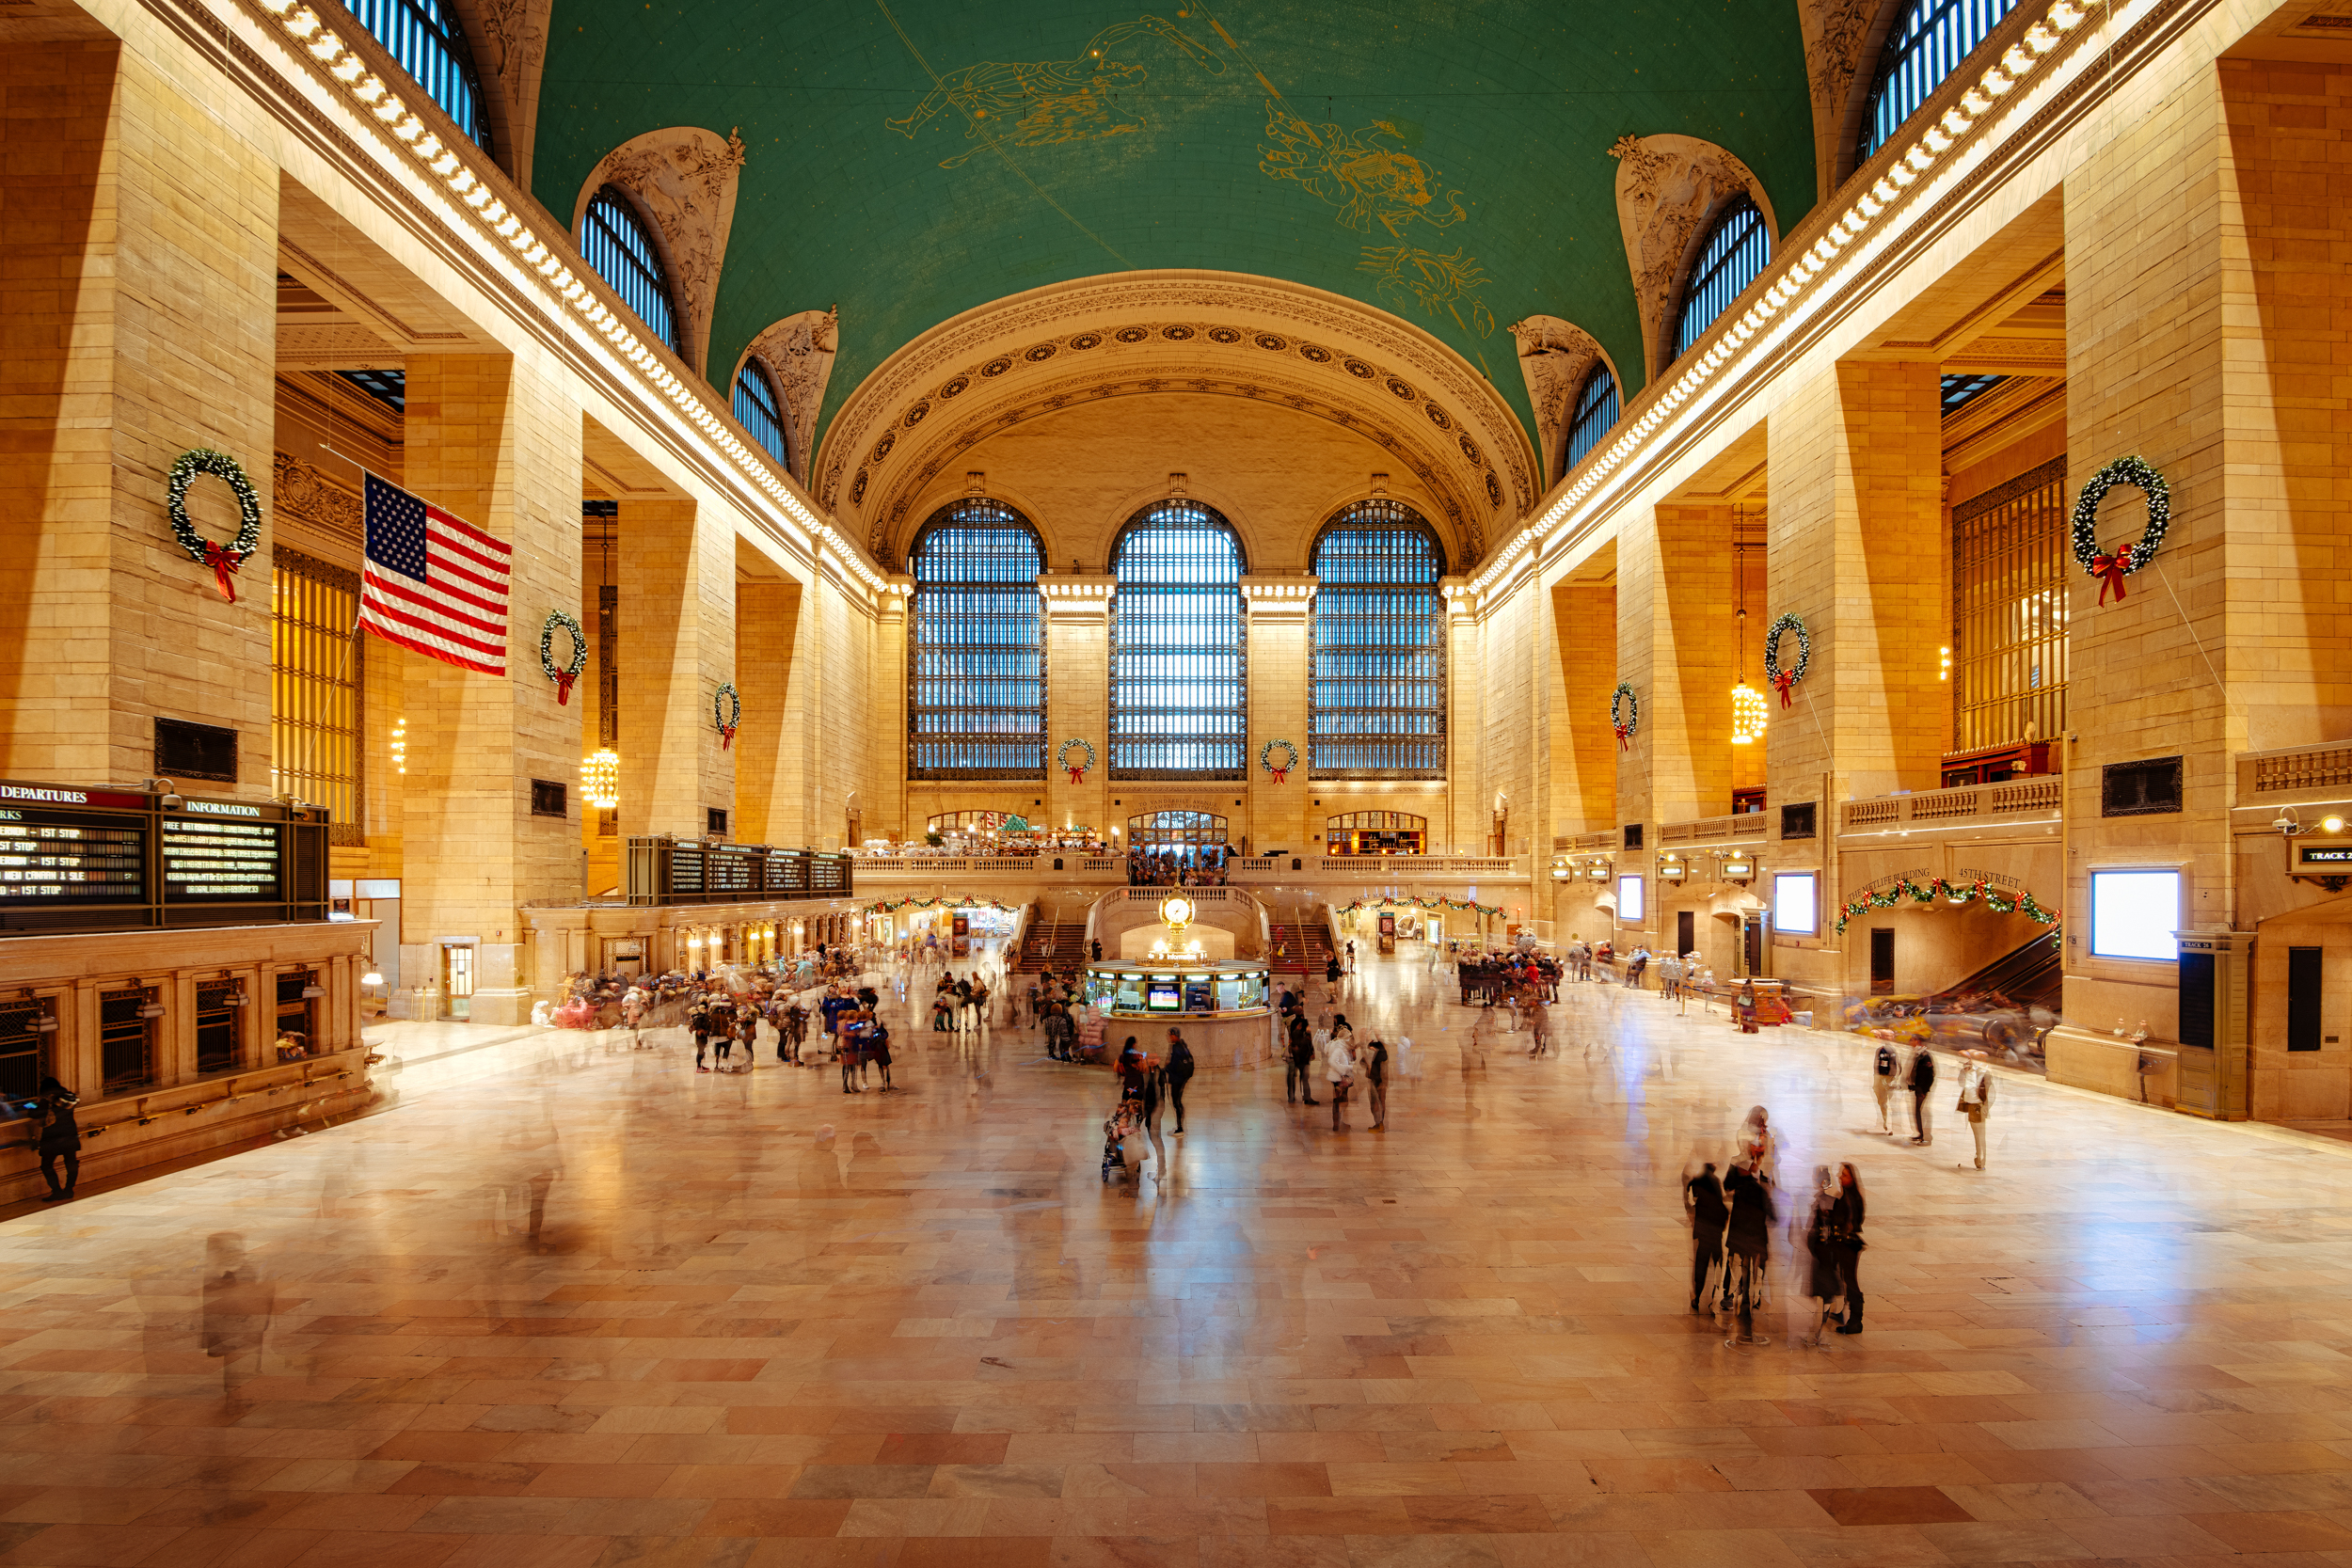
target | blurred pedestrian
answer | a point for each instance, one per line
(1748, 1241)
(1884, 1067)
(1180, 1071)
(1372, 1069)
(1298, 1081)
(238, 1306)
(1702, 1201)
(59, 1141)
(1813, 1235)
(1339, 1066)
(1847, 1230)
(1922, 1085)
(1975, 1101)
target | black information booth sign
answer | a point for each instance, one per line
(75, 859)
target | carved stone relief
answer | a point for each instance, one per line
(1669, 188)
(684, 178)
(304, 494)
(1555, 357)
(517, 34)
(800, 349)
(1834, 34)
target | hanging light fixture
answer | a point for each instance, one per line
(1749, 711)
(600, 778)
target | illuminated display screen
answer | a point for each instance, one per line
(2134, 915)
(220, 860)
(733, 871)
(686, 869)
(1164, 996)
(57, 855)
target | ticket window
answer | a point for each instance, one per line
(457, 981)
(26, 1027)
(297, 1015)
(219, 1003)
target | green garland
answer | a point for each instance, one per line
(891, 906)
(1418, 904)
(1959, 892)
(223, 559)
(557, 621)
(2112, 569)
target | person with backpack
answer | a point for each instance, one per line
(1975, 1101)
(1922, 1085)
(1180, 1071)
(1883, 1069)
(1295, 1083)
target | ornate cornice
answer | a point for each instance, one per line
(1143, 333)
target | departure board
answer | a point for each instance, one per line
(686, 869)
(221, 862)
(731, 870)
(829, 873)
(787, 871)
(71, 857)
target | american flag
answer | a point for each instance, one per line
(434, 583)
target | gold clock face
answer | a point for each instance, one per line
(1176, 911)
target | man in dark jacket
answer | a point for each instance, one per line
(1922, 1085)
(1703, 1200)
(1749, 1241)
(60, 1139)
(1302, 1055)
(1180, 1071)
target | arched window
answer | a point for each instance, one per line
(1595, 410)
(1177, 700)
(976, 646)
(613, 241)
(759, 408)
(1926, 44)
(425, 38)
(1379, 647)
(1734, 253)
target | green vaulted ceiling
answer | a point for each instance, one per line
(909, 160)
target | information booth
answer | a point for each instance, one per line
(1221, 1006)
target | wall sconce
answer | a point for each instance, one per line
(373, 977)
(1562, 871)
(1670, 868)
(1943, 668)
(399, 746)
(313, 991)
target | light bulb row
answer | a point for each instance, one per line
(405, 126)
(2016, 63)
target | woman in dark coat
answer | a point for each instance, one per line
(60, 1139)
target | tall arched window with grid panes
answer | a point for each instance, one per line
(1178, 652)
(1923, 46)
(976, 646)
(1589, 419)
(616, 242)
(759, 408)
(428, 41)
(1731, 257)
(1379, 646)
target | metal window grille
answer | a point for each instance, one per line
(1961, 391)
(760, 410)
(1732, 257)
(976, 645)
(24, 1059)
(1178, 647)
(1379, 647)
(315, 687)
(1595, 411)
(2009, 555)
(1926, 44)
(613, 241)
(216, 1018)
(425, 38)
(1175, 829)
(126, 1040)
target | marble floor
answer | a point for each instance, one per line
(597, 1308)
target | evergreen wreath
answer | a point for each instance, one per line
(1266, 758)
(557, 621)
(726, 711)
(2112, 569)
(1625, 714)
(1077, 769)
(1783, 679)
(223, 559)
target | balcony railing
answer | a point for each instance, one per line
(1709, 830)
(1379, 868)
(933, 868)
(2040, 797)
(2303, 771)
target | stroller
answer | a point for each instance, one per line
(1122, 1123)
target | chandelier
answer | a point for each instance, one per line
(600, 778)
(1748, 709)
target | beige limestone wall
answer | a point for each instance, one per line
(1280, 679)
(767, 613)
(678, 648)
(1077, 707)
(1584, 749)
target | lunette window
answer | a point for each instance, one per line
(615, 242)
(760, 409)
(1379, 647)
(1926, 44)
(1177, 646)
(976, 646)
(1595, 411)
(425, 38)
(1733, 257)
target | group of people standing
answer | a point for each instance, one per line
(1975, 1103)
(1732, 1218)
(1340, 1060)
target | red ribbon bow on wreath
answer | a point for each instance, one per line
(1624, 730)
(1781, 683)
(1278, 772)
(726, 732)
(1077, 772)
(2109, 570)
(563, 679)
(224, 562)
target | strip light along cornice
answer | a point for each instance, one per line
(2018, 62)
(368, 91)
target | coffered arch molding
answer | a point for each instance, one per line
(1139, 335)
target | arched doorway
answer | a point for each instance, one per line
(1376, 832)
(1181, 837)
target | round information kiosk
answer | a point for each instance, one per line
(1221, 1007)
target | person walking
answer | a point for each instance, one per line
(1702, 1201)
(1922, 1085)
(1180, 1071)
(1883, 1069)
(1748, 1240)
(1538, 1029)
(698, 1020)
(1975, 1102)
(878, 1050)
(1371, 1066)
(1331, 978)
(845, 1045)
(1339, 1066)
(1846, 1226)
(60, 1139)
(1816, 1228)
(1296, 1083)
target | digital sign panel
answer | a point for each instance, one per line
(71, 856)
(221, 861)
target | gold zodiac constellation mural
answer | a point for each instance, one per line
(1371, 178)
(1038, 103)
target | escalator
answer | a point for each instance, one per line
(2001, 1011)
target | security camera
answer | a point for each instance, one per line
(2287, 824)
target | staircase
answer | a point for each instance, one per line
(1305, 947)
(1057, 946)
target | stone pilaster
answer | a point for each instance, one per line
(677, 647)
(1282, 698)
(767, 618)
(1077, 696)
